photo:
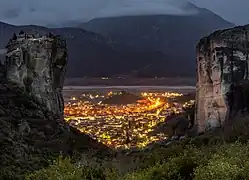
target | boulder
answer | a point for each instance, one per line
(222, 77)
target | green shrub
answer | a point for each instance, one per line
(176, 167)
(213, 162)
(64, 169)
(157, 155)
(229, 163)
(60, 169)
(201, 158)
(210, 162)
(217, 169)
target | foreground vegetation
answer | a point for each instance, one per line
(219, 155)
(207, 157)
(212, 162)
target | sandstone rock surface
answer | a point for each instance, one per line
(38, 64)
(222, 77)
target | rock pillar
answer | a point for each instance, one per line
(222, 77)
(38, 64)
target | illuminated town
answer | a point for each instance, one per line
(123, 125)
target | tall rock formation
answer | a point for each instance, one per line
(37, 63)
(222, 77)
(31, 107)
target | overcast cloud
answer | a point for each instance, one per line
(235, 11)
(55, 11)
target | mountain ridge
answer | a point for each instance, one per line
(90, 54)
(168, 34)
(140, 46)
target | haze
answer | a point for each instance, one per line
(57, 11)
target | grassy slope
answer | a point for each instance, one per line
(224, 154)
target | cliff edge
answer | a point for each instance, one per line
(222, 77)
(38, 64)
(31, 106)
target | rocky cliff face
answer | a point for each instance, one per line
(37, 63)
(222, 77)
(31, 107)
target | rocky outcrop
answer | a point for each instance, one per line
(37, 64)
(222, 77)
(31, 106)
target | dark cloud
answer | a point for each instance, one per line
(11, 13)
(56, 11)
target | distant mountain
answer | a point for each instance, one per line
(147, 46)
(173, 35)
(90, 54)
(65, 24)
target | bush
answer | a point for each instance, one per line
(64, 169)
(213, 162)
(176, 167)
(229, 163)
(60, 169)
(218, 169)
(201, 158)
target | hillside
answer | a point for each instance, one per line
(141, 46)
(90, 54)
(173, 35)
(32, 128)
(122, 98)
